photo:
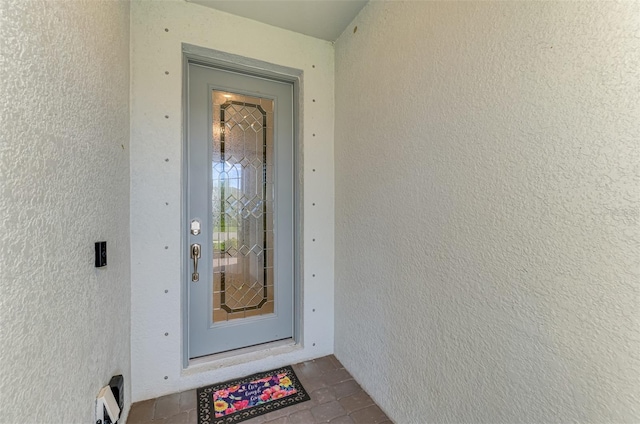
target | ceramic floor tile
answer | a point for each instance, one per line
(257, 420)
(327, 411)
(369, 415)
(188, 400)
(281, 420)
(181, 418)
(323, 395)
(356, 401)
(300, 417)
(142, 412)
(345, 419)
(335, 398)
(336, 376)
(346, 388)
(167, 406)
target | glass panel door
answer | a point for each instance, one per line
(239, 182)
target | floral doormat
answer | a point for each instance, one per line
(238, 400)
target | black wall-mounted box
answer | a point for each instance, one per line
(101, 254)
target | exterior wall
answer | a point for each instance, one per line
(487, 210)
(64, 176)
(156, 172)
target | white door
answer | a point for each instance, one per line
(240, 210)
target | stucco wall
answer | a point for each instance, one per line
(64, 172)
(487, 210)
(158, 30)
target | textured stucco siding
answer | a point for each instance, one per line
(158, 29)
(64, 175)
(487, 210)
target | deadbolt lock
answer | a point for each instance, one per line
(195, 227)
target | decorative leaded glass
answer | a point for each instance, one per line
(242, 205)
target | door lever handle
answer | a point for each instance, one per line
(195, 254)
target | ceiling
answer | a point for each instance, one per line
(324, 19)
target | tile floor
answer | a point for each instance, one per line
(335, 398)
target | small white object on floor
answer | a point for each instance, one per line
(107, 402)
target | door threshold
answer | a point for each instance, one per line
(240, 356)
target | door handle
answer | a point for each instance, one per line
(195, 254)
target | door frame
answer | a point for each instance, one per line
(257, 68)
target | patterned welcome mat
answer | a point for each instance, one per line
(238, 400)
